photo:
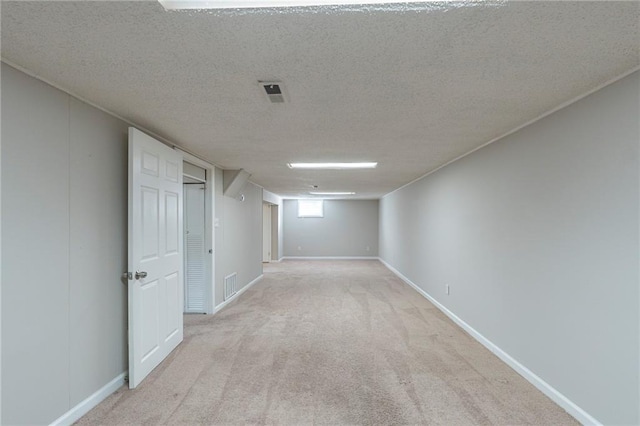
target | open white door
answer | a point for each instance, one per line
(155, 253)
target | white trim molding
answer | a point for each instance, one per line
(194, 159)
(85, 406)
(235, 296)
(521, 126)
(100, 395)
(330, 258)
(557, 397)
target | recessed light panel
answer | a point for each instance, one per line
(243, 4)
(333, 166)
(332, 193)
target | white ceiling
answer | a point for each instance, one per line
(410, 86)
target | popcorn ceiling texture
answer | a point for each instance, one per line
(318, 342)
(410, 86)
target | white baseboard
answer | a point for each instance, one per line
(85, 406)
(564, 402)
(330, 258)
(238, 293)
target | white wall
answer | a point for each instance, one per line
(347, 229)
(537, 235)
(238, 236)
(64, 220)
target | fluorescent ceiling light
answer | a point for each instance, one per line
(332, 193)
(332, 166)
(243, 4)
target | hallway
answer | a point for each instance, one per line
(329, 342)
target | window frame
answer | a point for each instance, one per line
(313, 214)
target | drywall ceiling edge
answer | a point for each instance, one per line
(160, 138)
(522, 126)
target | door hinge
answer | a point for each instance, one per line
(127, 276)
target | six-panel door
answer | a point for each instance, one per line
(155, 253)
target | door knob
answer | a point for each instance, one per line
(141, 275)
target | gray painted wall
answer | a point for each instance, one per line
(64, 247)
(64, 220)
(537, 235)
(347, 229)
(238, 236)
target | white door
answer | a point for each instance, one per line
(194, 239)
(266, 233)
(155, 253)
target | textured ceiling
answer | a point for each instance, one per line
(411, 86)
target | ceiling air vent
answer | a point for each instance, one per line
(274, 91)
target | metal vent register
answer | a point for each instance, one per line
(274, 91)
(230, 285)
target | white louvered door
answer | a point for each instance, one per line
(155, 253)
(194, 237)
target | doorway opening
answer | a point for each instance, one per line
(266, 232)
(275, 230)
(197, 237)
(270, 248)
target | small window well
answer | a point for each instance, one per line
(310, 208)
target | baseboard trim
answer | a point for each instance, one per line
(330, 258)
(238, 293)
(100, 395)
(85, 406)
(557, 397)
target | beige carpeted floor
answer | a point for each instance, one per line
(329, 342)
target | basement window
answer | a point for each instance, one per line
(310, 208)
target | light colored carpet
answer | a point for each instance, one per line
(329, 342)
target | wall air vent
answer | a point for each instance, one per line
(274, 91)
(230, 282)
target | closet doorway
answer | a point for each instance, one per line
(266, 233)
(197, 250)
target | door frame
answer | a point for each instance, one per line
(209, 243)
(275, 237)
(266, 232)
(189, 208)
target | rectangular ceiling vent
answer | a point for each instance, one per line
(274, 91)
